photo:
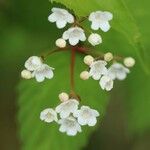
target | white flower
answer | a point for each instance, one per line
(33, 63)
(61, 43)
(95, 39)
(118, 71)
(69, 125)
(44, 71)
(26, 74)
(67, 107)
(100, 20)
(106, 83)
(61, 17)
(48, 115)
(97, 69)
(74, 35)
(86, 116)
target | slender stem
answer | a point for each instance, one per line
(43, 56)
(83, 19)
(72, 66)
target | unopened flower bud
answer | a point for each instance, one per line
(84, 75)
(129, 62)
(88, 60)
(108, 56)
(61, 43)
(63, 97)
(26, 74)
(95, 39)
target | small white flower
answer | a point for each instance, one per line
(106, 83)
(88, 60)
(129, 62)
(63, 97)
(42, 72)
(84, 75)
(100, 20)
(67, 107)
(86, 116)
(26, 74)
(97, 69)
(33, 63)
(69, 125)
(95, 39)
(74, 35)
(118, 71)
(61, 43)
(61, 17)
(48, 115)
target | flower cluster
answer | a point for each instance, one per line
(106, 76)
(36, 68)
(102, 67)
(71, 118)
(99, 20)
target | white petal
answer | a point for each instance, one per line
(82, 121)
(76, 113)
(62, 129)
(72, 132)
(61, 24)
(83, 37)
(49, 73)
(96, 113)
(39, 77)
(64, 114)
(92, 122)
(105, 26)
(108, 15)
(96, 76)
(52, 18)
(121, 75)
(70, 18)
(95, 25)
(73, 41)
(66, 35)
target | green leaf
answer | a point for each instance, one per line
(123, 21)
(138, 102)
(138, 99)
(35, 97)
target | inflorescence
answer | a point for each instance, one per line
(103, 67)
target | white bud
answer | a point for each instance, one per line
(88, 60)
(26, 74)
(129, 62)
(95, 39)
(63, 97)
(108, 56)
(61, 43)
(84, 75)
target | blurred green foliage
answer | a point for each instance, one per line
(25, 31)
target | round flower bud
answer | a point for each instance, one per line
(88, 60)
(61, 43)
(63, 97)
(84, 75)
(108, 56)
(129, 62)
(95, 39)
(26, 74)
